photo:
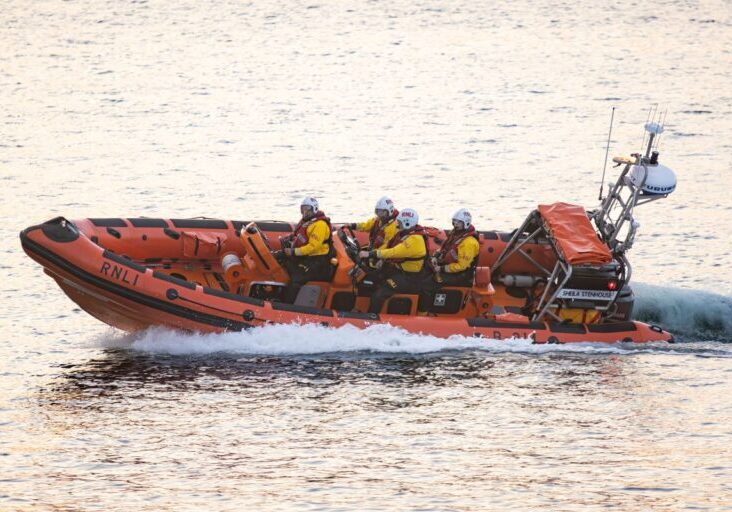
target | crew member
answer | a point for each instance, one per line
(406, 252)
(454, 264)
(382, 227)
(308, 250)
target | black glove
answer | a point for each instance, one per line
(372, 253)
(352, 225)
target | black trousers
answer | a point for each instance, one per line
(397, 282)
(303, 269)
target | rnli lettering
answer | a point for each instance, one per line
(119, 273)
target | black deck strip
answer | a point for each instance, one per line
(109, 223)
(281, 227)
(132, 295)
(281, 306)
(567, 328)
(222, 283)
(200, 223)
(233, 296)
(614, 327)
(124, 261)
(174, 280)
(489, 235)
(360, 316)
(240, 224)
(149, 223)
(486, 322)
(171, 233)
(54, 230)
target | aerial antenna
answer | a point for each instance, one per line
(654, 129)
(607, 150)
(663, 125)
(651, 115)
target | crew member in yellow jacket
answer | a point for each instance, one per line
(407, 253)
(455, 262)
(382, 227)
(310, 249)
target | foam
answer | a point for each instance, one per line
(693, 314)
(291, 339)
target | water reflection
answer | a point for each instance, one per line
(119, 369)
(367, 422)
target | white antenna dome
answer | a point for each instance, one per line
(654, 128)
(660, 181)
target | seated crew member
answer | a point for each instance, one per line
(382, 227)
(455, 262)
(309, 251)
(406, 253)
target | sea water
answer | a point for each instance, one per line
(238, 109)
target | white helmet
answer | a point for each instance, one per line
(463, 216)
(385, 204)
(311, 202)
(407, 218)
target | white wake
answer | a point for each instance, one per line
(315, 339)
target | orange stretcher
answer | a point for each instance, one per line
(574, 235)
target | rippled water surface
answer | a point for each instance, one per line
(236, 110)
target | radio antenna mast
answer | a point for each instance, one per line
(662, 122)
(607, 150)
(651, 114)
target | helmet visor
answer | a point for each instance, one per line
(306, 209)
(458, 224)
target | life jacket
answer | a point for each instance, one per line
(449, 252)
(403, 235)
(300, 234)
(377, 233)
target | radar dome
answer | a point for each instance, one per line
(660, 181)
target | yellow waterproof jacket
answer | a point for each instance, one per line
(318, 234)
(467, 251)
(412, 246)
(390, 230)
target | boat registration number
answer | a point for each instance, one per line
(573, 293)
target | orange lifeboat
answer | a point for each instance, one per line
(562, 276)
(220, 275)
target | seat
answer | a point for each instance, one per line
(482, 292)
(257, 256)
(447, 300)
(402, 304)
(313, 294)
(482, 277)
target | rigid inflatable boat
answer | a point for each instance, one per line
(562, 276)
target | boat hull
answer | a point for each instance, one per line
(131, 296)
